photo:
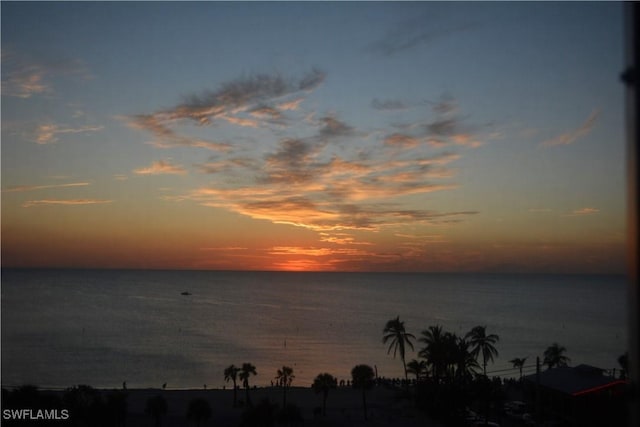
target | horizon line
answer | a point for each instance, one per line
(470, 272)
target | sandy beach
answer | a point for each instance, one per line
(344, 407)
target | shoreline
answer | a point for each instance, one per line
(344, 406)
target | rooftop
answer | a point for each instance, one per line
(575, 381)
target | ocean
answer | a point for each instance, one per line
(105, 327)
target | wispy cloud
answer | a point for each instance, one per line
(254, 101)
(48, 133)
(402, 140)
(584, 212)
(441, 128)
(316, 251)
(224, 248)
(426, 238)
(24, 77)
(292, 105)
(319, 209)
(341, 239)
(22, 188)
(320, 171)
(573, 135)
(303, 182)
(158, 125)
(58, 202)
(413, 33)
(161, 167)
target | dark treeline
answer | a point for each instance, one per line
(448, 381)
(449, 376)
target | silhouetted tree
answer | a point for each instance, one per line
(156, 407)
(464, 361)
(245, 372)
(438, 351)
(323, 383)
(395, 333)
(554, 356)
(518, 363)
(85, 406)
(483, 343)
(285, 376)
(623, 361)
(362, 378)
(231, 374)
(417, 368)
(199, 410)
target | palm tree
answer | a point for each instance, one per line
(417, 368)
(285, 377)
(432, 337)
(395, 332)
(483, 343)
(199, 410)
(231, 374)
(323, 383)
(245, 372)
(518, 364)
(362, 378)
(156, 407)
(554, 356)
(465, 363)
(439, 351)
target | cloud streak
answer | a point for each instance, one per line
(572, 136)
(413, 33)
(48, 133)
(25, 77)
(23, 188)
(161, 167)
(584, 212)
(58, 202)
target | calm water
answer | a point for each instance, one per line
(103, 327)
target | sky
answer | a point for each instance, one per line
(313, 136)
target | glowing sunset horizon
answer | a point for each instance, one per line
(411, 137)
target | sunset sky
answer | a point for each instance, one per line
(314, 136)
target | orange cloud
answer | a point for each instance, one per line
(161, 167)
(240, 121)
(466, 140)
(290, 105)
(401, 140)
(47, 133)
(341, 239)
(157, 124)
(24, 77)
(328, 176)
(584, 211)
(74, 202)
(21, 188)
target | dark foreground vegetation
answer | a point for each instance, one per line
(446, 385)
